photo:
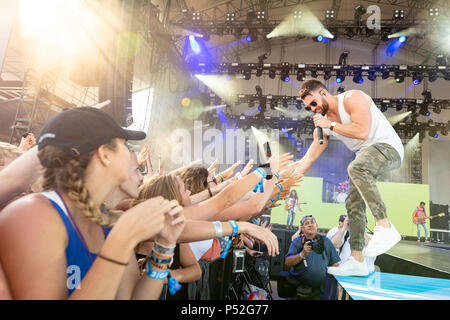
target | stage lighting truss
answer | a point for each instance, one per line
(406, 128)
(301, 71)
(385, 103)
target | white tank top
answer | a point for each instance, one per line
(381, 130)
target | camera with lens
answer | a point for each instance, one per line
(317, 245)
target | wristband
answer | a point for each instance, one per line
(235, 232)
(224, 254)
(173, 284)
(235, 227)
(161, 256)
(279, 186)
(272, 199)
(218, 227)
(278, 176)
(210, 193)
(161, 261)
(260, 173)
(261, 187)
(161, 267)
(163, 250)
(221, 177)
(155, 274)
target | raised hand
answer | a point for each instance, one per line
(248, 167)
(280, 163)
(173, 225)
(145, 220)
(261, 234)
(229, 172)
(286, 173)
(292, 181)
(143, 154)
(212, 167)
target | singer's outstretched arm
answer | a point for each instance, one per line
(313, 153)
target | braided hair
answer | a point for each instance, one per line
(69, 177)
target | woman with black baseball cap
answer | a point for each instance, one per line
(63, 247)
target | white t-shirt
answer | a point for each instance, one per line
(199, 248)
(293, 202)
(347, 251)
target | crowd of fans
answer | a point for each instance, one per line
(84, 216)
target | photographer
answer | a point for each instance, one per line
(308, 257)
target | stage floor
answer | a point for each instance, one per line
(425, 254)
(389, 286)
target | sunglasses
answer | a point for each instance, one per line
(312, 104)
(306, 217)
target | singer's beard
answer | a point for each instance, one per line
(325, 107)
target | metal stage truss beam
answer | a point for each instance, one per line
(325, 70)
(219, 11)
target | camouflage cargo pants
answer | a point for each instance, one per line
(363, 173)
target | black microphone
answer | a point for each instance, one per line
(320, 133)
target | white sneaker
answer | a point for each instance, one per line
(351, 267)
(383, 240)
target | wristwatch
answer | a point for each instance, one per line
(332, 125)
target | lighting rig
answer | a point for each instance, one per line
(256, 24)
(288, 71)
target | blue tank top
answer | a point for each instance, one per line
(76, 254)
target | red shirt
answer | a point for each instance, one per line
(420, 215)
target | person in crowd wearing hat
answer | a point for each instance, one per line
(308, 257)
(65, 245)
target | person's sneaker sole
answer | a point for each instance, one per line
(349, 274)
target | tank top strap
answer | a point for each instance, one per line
(77, 258)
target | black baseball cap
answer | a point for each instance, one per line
(81, 130)
(342, 217)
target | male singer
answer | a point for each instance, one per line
(353, 118)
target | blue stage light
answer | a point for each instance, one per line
(416, 82)
(402, 39)
(436, 135)
(319, 38)
(338, 80)
(191, 37)
(248, 38)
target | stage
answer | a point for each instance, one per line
(409, 271)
